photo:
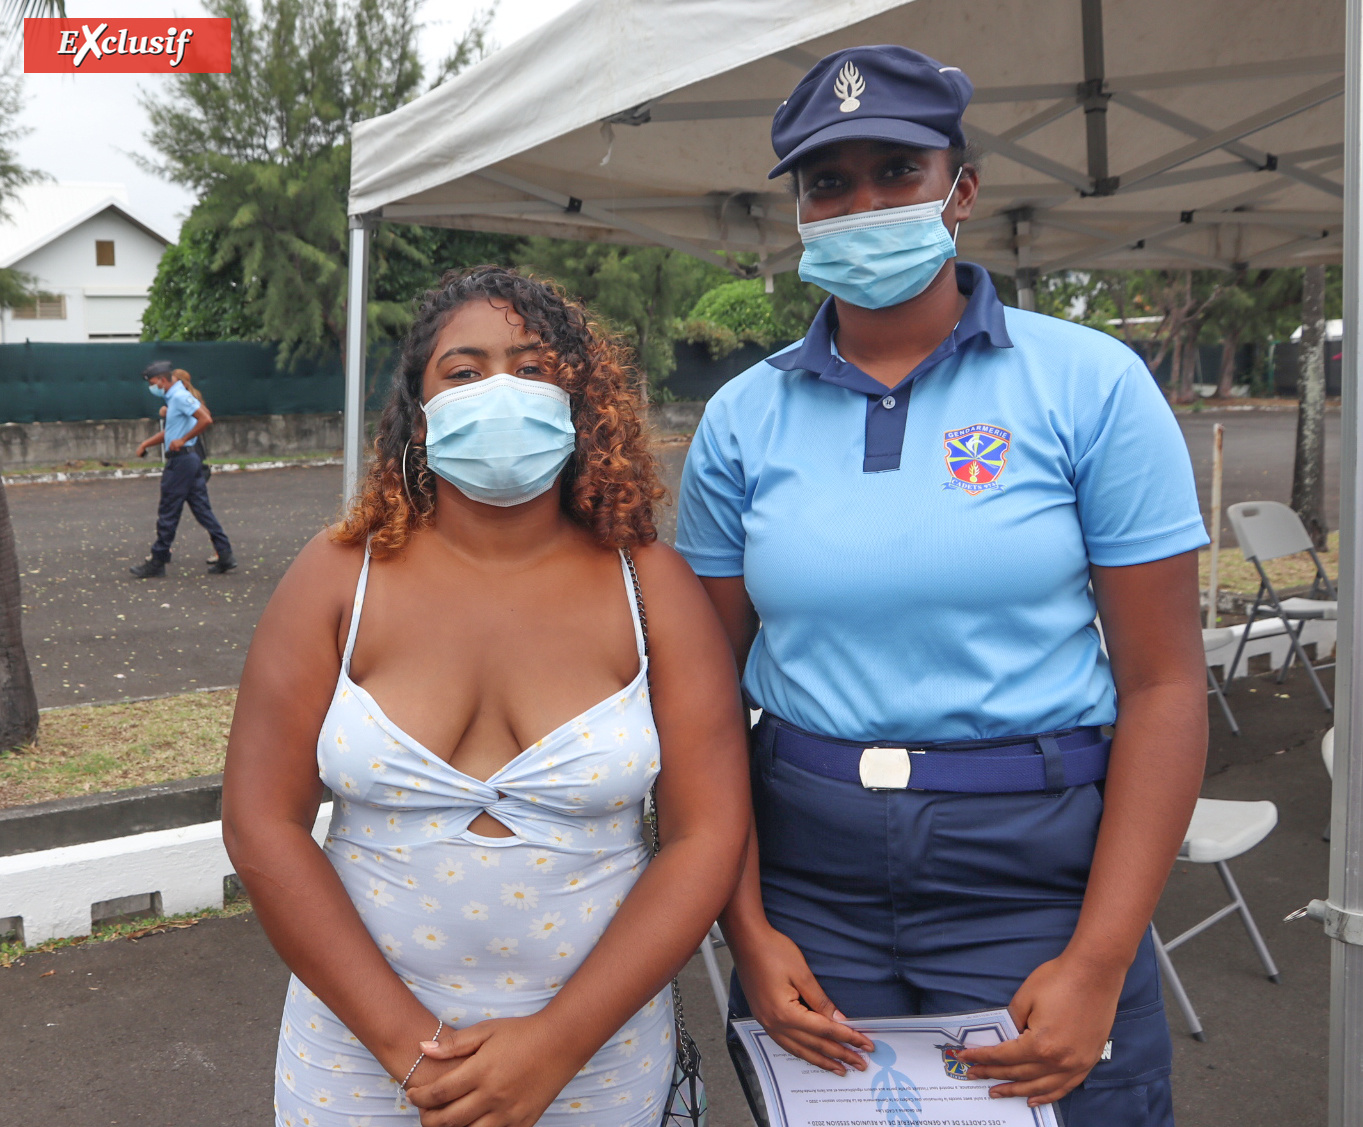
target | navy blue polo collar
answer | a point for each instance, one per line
(887, 408)
(983, 316)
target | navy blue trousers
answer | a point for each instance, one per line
(183, 482)
(909, 902)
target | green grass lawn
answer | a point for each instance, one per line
(1238, 574)
(99, 747)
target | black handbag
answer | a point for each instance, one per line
(686, 1104)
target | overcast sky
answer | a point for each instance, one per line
(85, 126)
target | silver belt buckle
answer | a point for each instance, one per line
(885, 768)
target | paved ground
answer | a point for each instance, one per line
(1259, 447)
(180, 1028)
(94, 633)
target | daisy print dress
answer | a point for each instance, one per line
(481, 927)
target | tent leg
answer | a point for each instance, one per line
(1346, 837)
(1024, 272)
(357, 293)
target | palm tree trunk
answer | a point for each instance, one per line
(1308, 472)
(1226, 377)
(18, 702)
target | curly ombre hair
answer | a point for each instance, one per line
(611, 483)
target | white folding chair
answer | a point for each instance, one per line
(1213, 640)
(1268, 530)
(1220, 829)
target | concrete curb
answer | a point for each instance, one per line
(55, 893)
(95, 817)
(112, 814)
(116, 474)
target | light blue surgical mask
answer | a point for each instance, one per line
(502, 441)
(159, 392)
(873, 259)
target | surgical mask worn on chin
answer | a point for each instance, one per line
(501, 441)
(873, 259)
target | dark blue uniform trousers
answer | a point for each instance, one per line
(182, 481)
(909, 902)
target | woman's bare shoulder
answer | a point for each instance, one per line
(667, 580)
(323, 574)
(661, 563)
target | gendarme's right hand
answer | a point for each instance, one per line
(791, 1005)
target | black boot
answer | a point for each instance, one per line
(150, 568)
(222, 564)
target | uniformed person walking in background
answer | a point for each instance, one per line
(183, 480)
(908, 522)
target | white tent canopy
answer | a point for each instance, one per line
(1159, 133)
(1171, 133)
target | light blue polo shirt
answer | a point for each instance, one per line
(920, 558)
(180, 408)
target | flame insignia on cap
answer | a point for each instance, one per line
(849, 87)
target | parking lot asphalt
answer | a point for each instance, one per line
(180, 1028)
(95, 633)
(1258, 448)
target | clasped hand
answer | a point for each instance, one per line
(1064, 1010)
(498, 1073)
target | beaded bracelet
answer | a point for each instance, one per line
(421, 1058)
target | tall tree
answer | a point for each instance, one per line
(14, 12)
(1259, 305)
(267, 148)
(191, 299)
(641, 292)
(18, 701)
(15, 286)
(1182, 300)
(1308, 470)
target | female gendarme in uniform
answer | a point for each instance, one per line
(924, 504)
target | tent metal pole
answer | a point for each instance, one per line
(357, 294)
(1094, 98)
(1023, 271)
(1343, 918)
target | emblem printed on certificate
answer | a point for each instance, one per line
(914, 1078)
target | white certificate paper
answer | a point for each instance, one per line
(912, 1080)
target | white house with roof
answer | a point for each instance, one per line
(94, 259)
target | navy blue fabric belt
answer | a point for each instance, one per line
(1051, 762)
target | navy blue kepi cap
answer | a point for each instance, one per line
(884, 93)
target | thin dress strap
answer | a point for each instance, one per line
(355, 612)
(636, 603)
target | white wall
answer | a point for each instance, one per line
(99, 299)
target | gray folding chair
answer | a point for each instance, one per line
(1215, 639)
(1268, 530)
